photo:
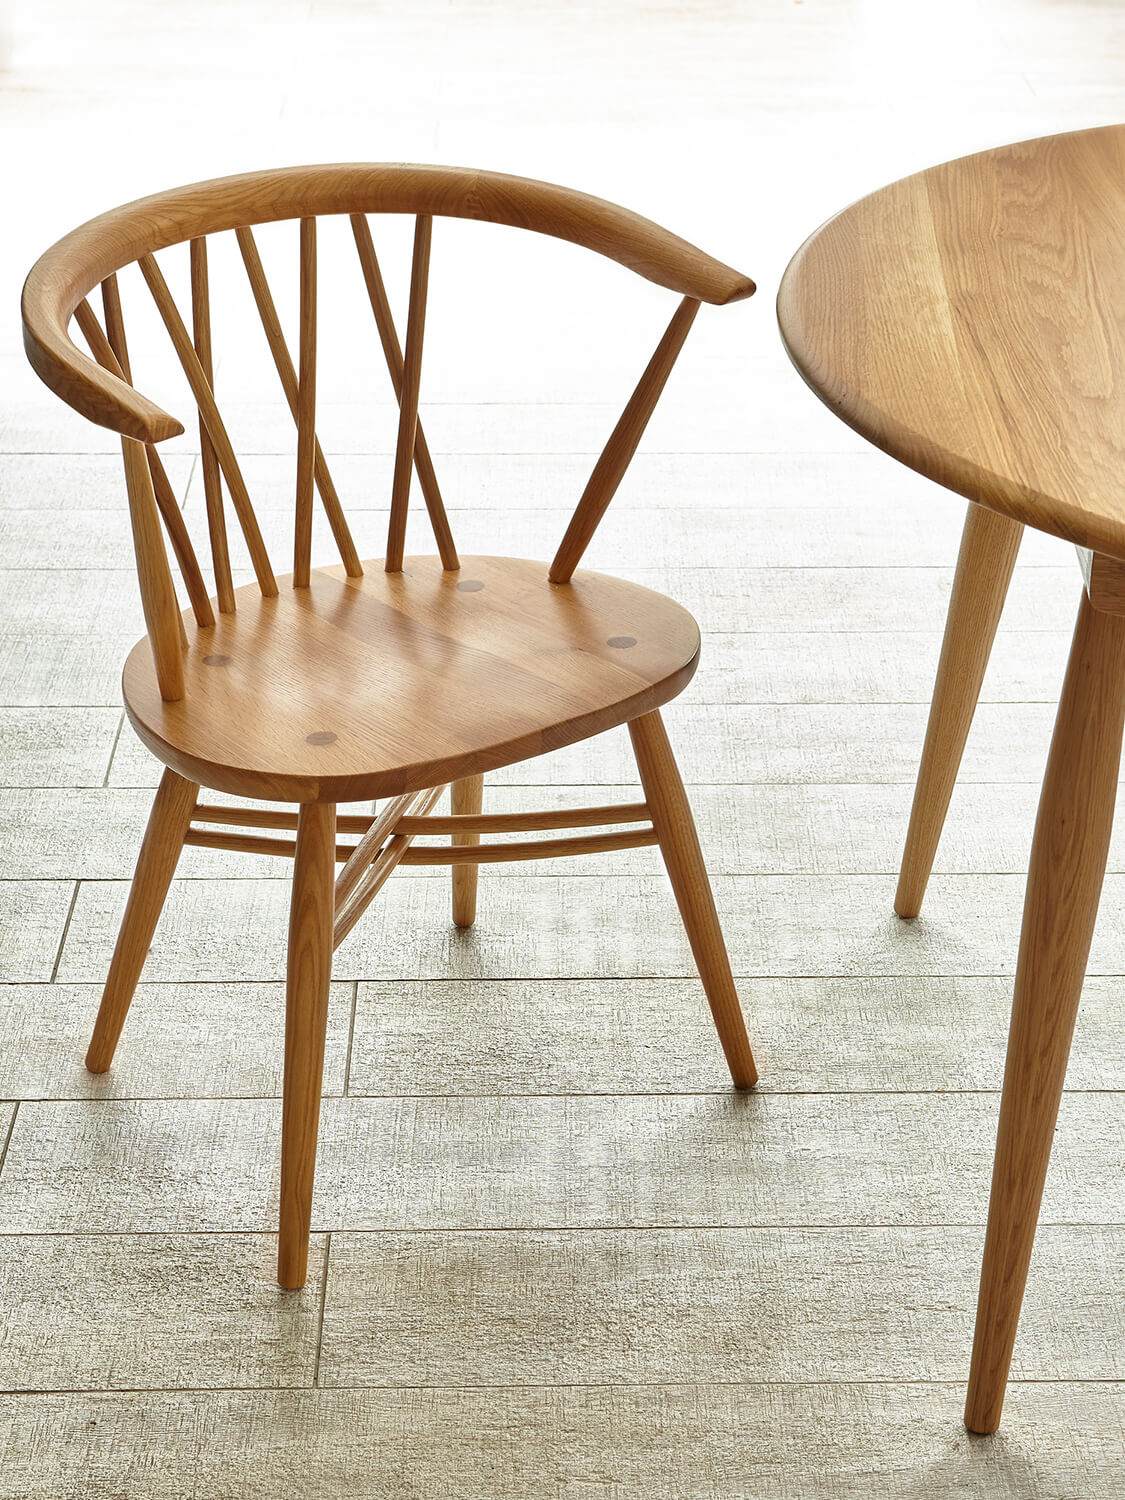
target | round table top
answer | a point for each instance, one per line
(970, 320)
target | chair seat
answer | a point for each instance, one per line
(367, 687)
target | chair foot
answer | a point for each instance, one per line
(308, 973)
(465, 796)
(168, 823)
(989, 545)
(671, 817)
(1068, 860)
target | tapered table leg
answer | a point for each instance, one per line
(1068, 859)
(989, 545)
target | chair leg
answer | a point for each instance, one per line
(168, 823)
(989, 545)
(675, 828)
(1064, 883)
(466, 796)
(307, 977)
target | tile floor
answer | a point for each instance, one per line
(553, 1254)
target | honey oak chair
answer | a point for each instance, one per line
(359, 682)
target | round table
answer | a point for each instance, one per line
(970, 321)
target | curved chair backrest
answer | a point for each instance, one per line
(101, 388)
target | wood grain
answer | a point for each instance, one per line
(1064, 886)
(306, 409)
(466, 797)
(984, 568)
(281, 700)
(66, 272)
(308, 973)
(156, 864)
(679, 844)
(618, 452)
(283, 361)
(209, 463)
(970, 320)
(408, 392)
(392, 353)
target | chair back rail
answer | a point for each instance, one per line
(102, 388)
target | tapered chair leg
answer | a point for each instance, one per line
(308, 973)
(670, 811)
(466, 796)
(1068, 859)
(156, 864)
(989, 545)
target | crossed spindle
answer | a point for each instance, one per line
(151, 496)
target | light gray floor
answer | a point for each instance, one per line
(553, 1254)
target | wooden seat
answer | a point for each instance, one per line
(350, 682)
(373, 686)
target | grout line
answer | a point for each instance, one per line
(320, 1313)
(719, 1092)
(113, 751)
(973, 1226)
(351, 1038)
(8, 1137)
(898, 1382)
(66, 929)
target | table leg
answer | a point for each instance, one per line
(989, 545)
(1068, 859)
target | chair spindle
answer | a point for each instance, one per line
(212, 476)
(306, 409)
(158, 595)
(408, 402)
(205, 400)
(283, 363)
(623, 440)
(163, 494)
(162, 486)
(392, 353)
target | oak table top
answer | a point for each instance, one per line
(970, 321)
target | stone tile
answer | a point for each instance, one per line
(181, 1041)
(149, 1310)
(53, 537)
(589, 927)
(838, 666)
(682, 1442)
(33, 916)
(102, 602)
(59, 747)
(664, 1306)
(548, 1036)
(38, 670)
(832, 599)
(574, 1162)
(82, 481)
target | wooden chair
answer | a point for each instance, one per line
(266, 691)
